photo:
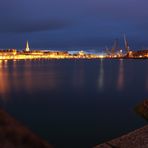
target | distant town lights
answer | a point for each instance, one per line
(101, 56)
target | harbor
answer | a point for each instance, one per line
(114, 53)
(73, 74)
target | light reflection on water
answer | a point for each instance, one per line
(78, 76)
(30, 77)
(17, 77)
(4, 81)
(101, 76)
(146, 81)
(120, 81)
(75, 100)
(120, 76)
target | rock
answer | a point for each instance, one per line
(142, 109)
(134, 139)
(14, 135)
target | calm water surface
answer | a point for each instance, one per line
(75, 103)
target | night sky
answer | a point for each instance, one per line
(73, 24)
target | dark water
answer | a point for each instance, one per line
(75, 103)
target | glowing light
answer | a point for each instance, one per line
(120, 81)
(101, 77)
(101, 56)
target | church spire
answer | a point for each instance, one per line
(27, 47)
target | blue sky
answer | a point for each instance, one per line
(73, 23)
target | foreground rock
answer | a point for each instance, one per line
(142, 109)
(135, 139)
(14, 135)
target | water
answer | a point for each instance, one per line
(75, 103)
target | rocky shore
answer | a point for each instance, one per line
(142, 109)
(14, 135)
(134, 139)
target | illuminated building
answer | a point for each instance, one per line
(114, 52)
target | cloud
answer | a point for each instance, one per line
(33, 25)
(74, 23)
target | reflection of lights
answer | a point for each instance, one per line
(120, 82)
(78, 76)
(101, 76)
(15, 76)
(28, 79)
(146, 85)
(25, 78)
(4, 81)
(5, 63)
(33, 81)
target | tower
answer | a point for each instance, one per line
(27, 47)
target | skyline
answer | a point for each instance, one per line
(73, 24)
